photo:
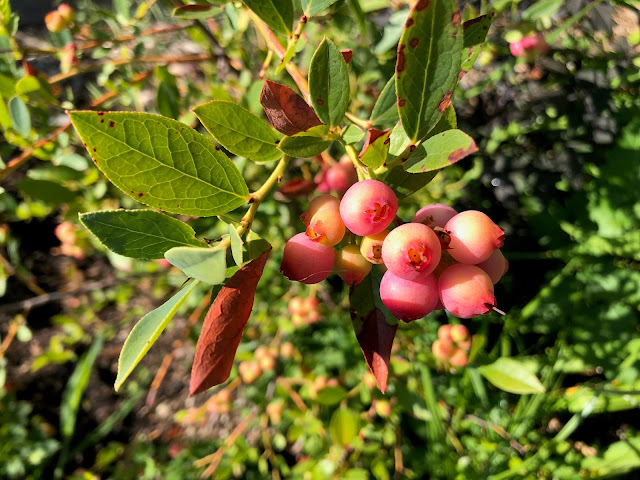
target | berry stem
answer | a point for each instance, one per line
(361, 168)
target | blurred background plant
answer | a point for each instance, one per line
(553, 105)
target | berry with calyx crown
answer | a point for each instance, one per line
(368, 207)
(435, 215)
(466, 291)
(371, 247)
(411, 251)
(323, 221)
(473, 237)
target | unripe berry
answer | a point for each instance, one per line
(495, 266)
(323, 221)
(459, 333)
(274, 410)
(296, 306)
(351, 265)
(341, 176)
(435, 215)
(466, 291)
(458, 358)
(409, 299)
(368, 207)
(382, 408)
(287, 349)
(313, 317)
(306, 261)
(411, 251)
(311, 304)
(444, 333)
(66, 12)
(371, 246)
(441, 349)
(54, 22)
(249, 371)
(473, 237)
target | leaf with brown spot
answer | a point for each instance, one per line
(376, 147)
(223, 327)
(286, 110)
(475, 33)
(440, 151)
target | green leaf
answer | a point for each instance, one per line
(5, 117)
(351, 134)
(306, 144)
(541, 8)
(205, 264)
(329, 83)
(122, 8)
(376, 148)
(616, 460)
(475, 32)
(27, 84)
(428, 64)
(385, 111)
(47, 191)
(75, 388)
(147, 331)
(511, 376)
(239, 131)
(236, 245)
(141, 234)
(168, 100)
(343, 426)
(195, 11)
(331, 395)
(20, 117)
(277, 14)
(440, 151)
(405, 183)
(311, 7)
(161, 162)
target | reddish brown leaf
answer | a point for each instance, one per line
(223, 327)
(372, 135)
(375, 337)
(347, 54)
(286, 110)
(297, 187)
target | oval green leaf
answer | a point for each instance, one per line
(306, 144)
(277, 14)
(329, 83)
(20, 117)
(143, 234)
(239, 131)
(351, 134)
(428, 64)
(343, 426)
(385, 111)
(205, 264)
(511, 376)
(147, 331)
(440, 151)
(311, 7)
(195, 11)
(236, 245)
(331, 395)
(161, 162)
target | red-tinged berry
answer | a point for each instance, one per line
(371, 246)
(249, 371)
(458, 358)
(341, 176)
(441, 349)
(323, 221)
(306, 261)
(435, 215)
(411, 251)
(287, 350)
(351, 265)
(444, 333)
(368, 207)
(409, 299)
(466, 291)
(495, 266)
(296, 306)
(54, 22)
(473, 237)
(311, 304)
(66, 12)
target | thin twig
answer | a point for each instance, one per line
(30, 284)
(13, 329)
(499, 430)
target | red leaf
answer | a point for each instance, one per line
(286, 110)
(347, 54)
(297, 187)
(223, 327)
(375, 337)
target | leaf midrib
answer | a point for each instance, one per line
(126, 229)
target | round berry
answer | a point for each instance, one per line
(323, 221)
(411, 251)
(351, 265)
(435, 215)
(341, 176)
(409, 299)
(306, 261)
(371, 246)
(368, 207)
(441, 349)
(473, 237)
(466, 291)
(495, 266)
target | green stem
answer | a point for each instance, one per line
(361, 168)
(358, 121)
(291, 45)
